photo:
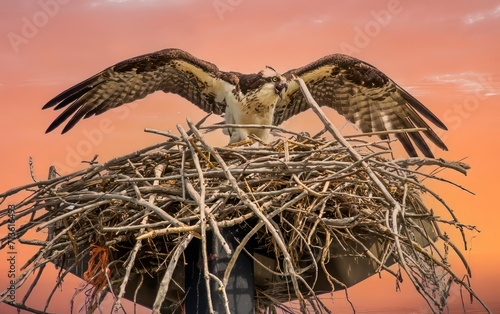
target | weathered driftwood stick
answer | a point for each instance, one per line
(165, 282)
(200, 199)
(338, 136)
(138, 243)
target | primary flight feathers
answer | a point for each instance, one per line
(355, 89)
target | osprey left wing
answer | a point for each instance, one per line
(363, 95)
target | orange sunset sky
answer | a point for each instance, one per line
(445, 53)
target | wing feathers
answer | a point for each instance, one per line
(363, 95)
(417, 105)
(62, 117)
(72, 93)
(380, 122)
(169, 70)
(407, 145)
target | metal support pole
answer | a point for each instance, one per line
(240, 287)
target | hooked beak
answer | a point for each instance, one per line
(279, 87)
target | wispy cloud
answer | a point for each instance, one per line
(416, 90)
(469, 81)
(41, 82)
(99, 3)
(321, 19)
(480, 16)
(474, 18)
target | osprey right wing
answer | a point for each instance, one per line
(169, 70)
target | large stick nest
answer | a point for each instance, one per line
(305, 201)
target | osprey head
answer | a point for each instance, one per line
(274, 80)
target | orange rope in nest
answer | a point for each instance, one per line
(97, 272)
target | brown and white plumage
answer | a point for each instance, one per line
(355, 89)
(363, 95)
(169, 70)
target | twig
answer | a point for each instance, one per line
(163, 289)
(138, 244)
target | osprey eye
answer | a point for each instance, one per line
(274, 79)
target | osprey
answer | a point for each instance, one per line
(355, 89)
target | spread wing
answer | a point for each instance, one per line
(169, 70)
(365, 96)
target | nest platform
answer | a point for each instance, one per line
(316, 214)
